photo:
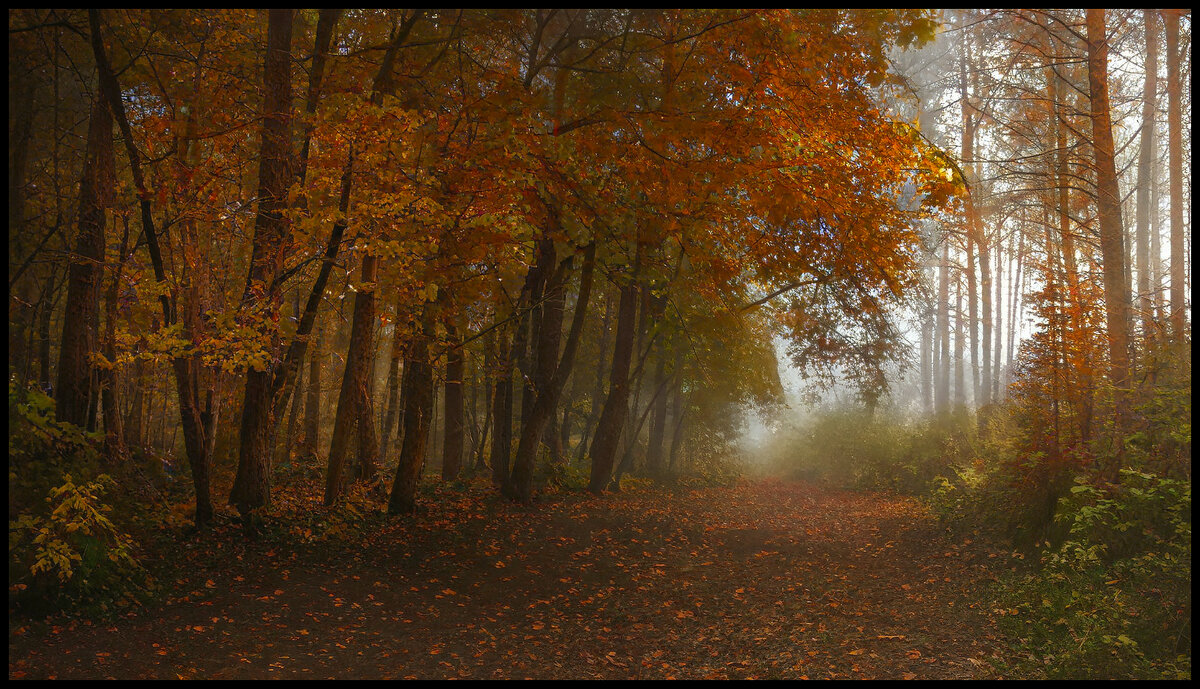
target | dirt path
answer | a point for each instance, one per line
(767, 580)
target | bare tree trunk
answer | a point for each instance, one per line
(969, 124)
(1116, 288)
(486, 386)
(74, 391)
(113, 429)
(133, 425)
(546, 333)
(49, 299)
(941, 398)
(630, 434)
(252, 485)
(994, 394)
(658, 418)
(1179, 292)
(502, 415)
(927, 364)
(393, 392)
(589, 423)
(1017, 289)
(355, 397)
(289, 439)
(1146, 171)
(553, 372)
(679, 413)
(960, 394)
(452, 443)
(526, 306)
(616, 405)
(417, 393)
(312, 403)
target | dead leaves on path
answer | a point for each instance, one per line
(765, 580)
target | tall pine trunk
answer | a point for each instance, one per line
(1116, 288)
(1179, 292)
(941, 398)
(1146, 171)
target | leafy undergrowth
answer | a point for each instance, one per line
(766, 580)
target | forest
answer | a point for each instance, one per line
(599, 343)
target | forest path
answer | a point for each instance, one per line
(765, 579)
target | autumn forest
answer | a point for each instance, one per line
(615, 344)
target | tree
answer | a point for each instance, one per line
(252, 485)
(76, 389)
(1146, 157)
(1116, 288)
(1175, 166)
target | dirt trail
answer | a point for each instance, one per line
(767, 580)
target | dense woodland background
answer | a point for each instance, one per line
(341, 256)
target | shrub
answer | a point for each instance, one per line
(1114, 598)
(72, 551)
(64, 549)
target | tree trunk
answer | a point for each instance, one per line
(941, 400)
(185, 382)
(616, 405)
(1014, 310)
(1073, 302)
(285, 374)
(354, 400)
(995, 394)
(594, 405)
(75, 392)
(976, 244)
(527, 304)
(1116, 288)
(113, 429)
(393, 392)
(417, 394)
(289, 439)
(927, 365)
(1146, 156)
(502, 415)
(46, 310)
(312, 402)
(1179, 292)
(539, 401)
(960, 393)
(553, 373)
(658, 418)
(452, 443)
(133, 425)
(252, 485)
(678, 414)
(486, 387)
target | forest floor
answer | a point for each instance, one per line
(767, 579)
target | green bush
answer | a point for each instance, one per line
(71, 552)
(64, 548)
(1112, 600)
